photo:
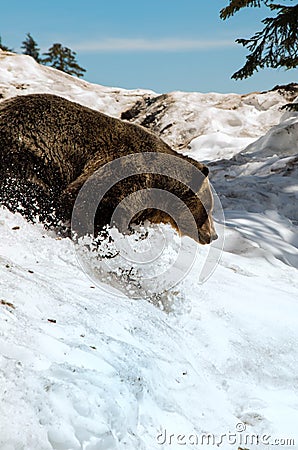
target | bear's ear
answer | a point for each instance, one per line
(205, 170)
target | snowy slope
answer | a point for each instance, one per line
(21, 75)
(82, 368)
(212, 125)
(262, 181)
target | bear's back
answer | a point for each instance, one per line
(60, 137)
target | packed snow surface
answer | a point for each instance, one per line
(83, 368)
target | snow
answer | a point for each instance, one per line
(21, 75)
(212, 125)
(87, 368)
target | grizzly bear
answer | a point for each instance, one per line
(50, 147)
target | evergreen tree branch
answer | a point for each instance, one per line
(275, 46)
(236, 5)
(4, 47)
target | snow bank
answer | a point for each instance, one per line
(82, 369)
(22, 75)
(211, 126)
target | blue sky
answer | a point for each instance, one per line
(163, 45)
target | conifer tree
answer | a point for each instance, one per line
(63, 58)
(274, 46)
(30, 47)
(4, 48)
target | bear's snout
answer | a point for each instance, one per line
(207, 232)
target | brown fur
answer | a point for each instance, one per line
(50, 146)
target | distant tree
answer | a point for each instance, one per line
(62, 58)
(4, 48)
(30, 47)
(274, 46)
